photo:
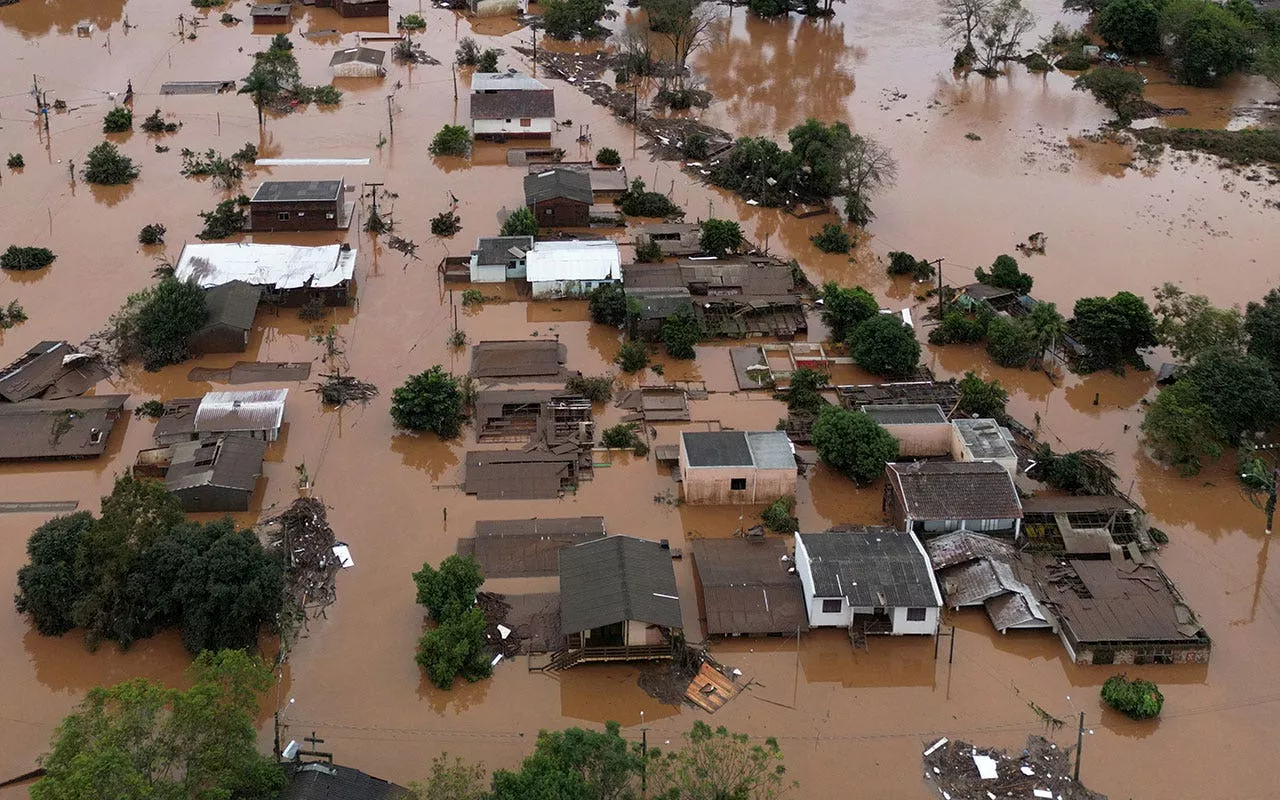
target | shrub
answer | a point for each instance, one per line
(429, 401)
(720, 237)
(11, 315)
(608, 157)
(451, 140)
(488, 60)
(26, 258)
(1136, 699)
(152, 409)
(154, 324)
(680, 332)
(412, 22)
(520, 222)
(472, 297)
(884, 345)
(1005, 274)
(468, 52)
(16, 161)
(632, 357)
(639, 202)
(648, 251)
(326, 95)
(623, 437)
(118, 120)
(768, 8)
(607, 305)
(208, 3)
(596, 388)
(956, 328)
(844, 309)
(901, 263)
(151, 234)
(446, 223)
(156, 124)
(853, 444)
(778, 518)
(313, 310)
(985, 399)
(832, 239)
(696, 145)
(1010, 342)
(226, 219)
(106, 166)
(1074, 62)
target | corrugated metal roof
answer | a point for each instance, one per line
(553, 183)
(228, 462)
(872, 567)
(747, 588)
(757, 449)
(596, 260)
(955, 490)
(958, 547)
(233, 304)
(281, 266)
(616, 579)
(365, 55)
(504, 81)
(536, 104)
(905, 414)
(985, 438)
(227, 412)
(50, 370)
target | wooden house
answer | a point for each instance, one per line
(559, 198)
(232, 307)
(214, 474)
(298, 206)
(358, 62)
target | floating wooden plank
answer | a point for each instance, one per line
(39, 507)
(709, 689)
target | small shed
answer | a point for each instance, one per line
(933, 497)
(498, 258)
(270, 13)
(983, 440)
(217, 474)
(358, 62)
(298, 206)
(922, 429)
(559, 198)
(731, 467)
(232, 307)
(573, 268)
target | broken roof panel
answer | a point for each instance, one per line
(281, 266)
(872, 567)
(955, 490)
(617, 579)
(50, 370)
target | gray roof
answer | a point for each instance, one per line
(616, 579)
(759, 449)
(227, 412)
(73, 427)
(955, 490)
(493, 250)
(905, 414)
(232, 304)
(50, 370)
(662, 302)
(872, 567)
(228, 462)
(555, 183)
(540, 103)
(508, 81)
(297, 191)
(984, 438)
(270, 9)
(365, 55)
(319, 781)
(747, 588)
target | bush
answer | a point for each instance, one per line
(623, 437)
(597, 389)
(226, 219)
(455, 648)
(1119, 90)
(768, 8)
(649, 251)
(412, 22)
(468, 52)
(326, 95)
(632, 357)
(451, 140)
(151, 234)
(680, 332)
(901, 263)
(696, 145)
(446, 223)
(1005, 274)
(565, 19)
(639, 202)
(853, 444)
(1074, 62)
(1010, 342)
(118, 120)
(450, 590)
(720, 237)
(520, 222)
(26, 258)
(1136, 699)
(607, 305)
(313, 310)
(16, 161)
(429, 401)
(844, 309)
(11, 315)
(778, 518)
(956, 328)
(984, 399)
(155, 124)
(152, 409)
(804, 391)
(832, 239)
(154, 324)
(106, 166)
(472, 297)
(488, 60)
(884, 345)
(608, 157)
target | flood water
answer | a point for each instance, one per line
(840, 715)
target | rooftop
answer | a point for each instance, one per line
(501, 249)
(366, 55)
(536, 103)
(280, 266)
(320, 781)
(225, 412)
(71, 427)
(616, 579)
(527, 358)
(555, 183)
(593, 260)
(50, 370)
(527, 548)
(297, 191)
(747, 586)
(504, 81)
(906, 414)
(518, 475)
(233, 304)
(985, 438)
(759, 449)
(871, 567)
(229, 462)
(955, 490)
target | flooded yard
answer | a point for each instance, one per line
(845, 718)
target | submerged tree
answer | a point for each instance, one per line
(1118, 90)
(1000, 31)
(429, 401)
(961, 19)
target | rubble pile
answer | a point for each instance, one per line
(961, 771)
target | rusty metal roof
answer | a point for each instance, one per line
(528, 548)
(747, 588)
(518, 359)
(955, 490)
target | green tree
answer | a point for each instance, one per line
(778, 516)
(715, 764)
(845, 309)
(832, 239)
(638, 201)
(1262, 324)
(139, 739)
(1136, 699)
(1119, 90)
(1266, 62)
(1113, 329)
(262, 87)
(488, 60)
(804, 391)
(574, 764)
(565, 19)
(1131, 25)
(1239, 389)
(26, 258)
(451, 590)
(607, 304)
(983, 399)
(429, 401)
(455, 649)
(768, 8)
(452, 780)
(1005, 274)
(451, 140)
(1205, 42)
(520, 222)
(608, 157)
(1179, 428)
(1009, 342)
(1046, 327)
(649, 251)
(1081, 472)
(720, 237)
(118, 120)
(105, 165)
(901, 263)
(884, 345)
(957, 328)
(51, 583)
(226, 219)
(1189, 325)
(853, 444)
(681, 331)
(632, 357)
(172, 311)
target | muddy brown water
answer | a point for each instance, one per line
(840, 715)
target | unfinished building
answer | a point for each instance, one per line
(522, 415)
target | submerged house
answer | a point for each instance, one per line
(869, 580)
(316, 780)
(357, 8)
(358, 62)
(922, 429)
(932, 497)
(974, 569)
(270, 13)
(257, 414)
(731, 467)
(618, 601)
(499, 258)
(72, 427)
(572, 269)
(559, 198)
(748, 587)
(298, 206)
(50, 370)
(287, 274)
(232, 308)
(509, 105)
(215, 474)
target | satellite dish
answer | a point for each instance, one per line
(290, 750)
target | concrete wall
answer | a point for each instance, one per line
(212, 498)
(901, 625)
(961, 452)
(919, 441)
(711, 485)
(513, 128)
(552, 290)
(487, 274)
(358, 69)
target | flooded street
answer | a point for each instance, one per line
(841, 715)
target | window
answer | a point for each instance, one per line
(508, 120)
(329, 215)
(832, 606)
(550, 211)
(526, 122)
(916, 614)
(283, 216)
(737, 484)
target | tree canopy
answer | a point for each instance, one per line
(1205, 41)
(884, 345)
(1262, 324)
(565, 19)
(520, 222)
(607, 305)
(1131, 25)
(1118, 90)
(105, 165)
(1188, 324)
(844, 309)
(853, 444)
(984, 399)
(574, 764)
(717, 764)
(720, 237)
(429, 401)
(155, 324)
(1113, 329)
(1005, 274)
(451, 589)
(681, 332)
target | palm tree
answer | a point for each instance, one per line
(262, 86)
(1047, 327)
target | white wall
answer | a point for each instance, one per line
(902, 625)
(817, 618)
(542, 126)
(554, 289)
(487, 274)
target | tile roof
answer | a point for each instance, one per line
(538, 104)
(615, 579)
(872, 567)
(555, 183)
(955, 490)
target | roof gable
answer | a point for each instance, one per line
(558, 184)
(955, 490)
(616, 579)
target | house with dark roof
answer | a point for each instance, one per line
(270, 13)
(317, 780)
(232, 308)
(509, 105)
(358, 62)
(974, 569)
(618, 601)
(559, 198)
(731, 467)
(51, 370)
(922, 429)
(869, 580)
(748, 587)
(298, 206)
(215, 474)
(499, 258)
(71, 427)
(357, 8)
(932, 497)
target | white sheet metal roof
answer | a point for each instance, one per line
(498, 81)
(226, 412)
(283, 266)
(595, 260)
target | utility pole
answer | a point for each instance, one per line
(373, 194)
(1079, 746)
(644, 760)
(635, 103)
(391, 124)
(453, 68)
(313, 741)
(942, 297)
(533, 34)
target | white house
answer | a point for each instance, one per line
(499, 258)
(286, 273)
(870, 580)
(573, 268)
(506, 105)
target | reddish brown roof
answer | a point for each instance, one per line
(746, 587)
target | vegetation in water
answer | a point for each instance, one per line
(154, 325)
(884, 345)
(638, 201)
(596, 388)
(15, 161)
(853, 444)
(843, 309)
(901, 263)
(623, 436)
(1136, 699)
(226, 219)
(105, 165)
(681, 331)
(608, 157)
(981, 398)
(632, 356)
(1005, 274)
(451, 140)
(26, 258)
(411, 22)
(446, 223)
(607, 305)
(720, 237)
(1118, 90)
(118, 120)
(429, 401)
(472, 297)
(832, 239)
(456, 647)
(152, 234)
(567, 19)
(778, 515)
(520, 222)
(154, 123)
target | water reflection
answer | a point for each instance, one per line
(604, 692)
(424, 452)
(33, 18)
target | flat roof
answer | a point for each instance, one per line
(297, 191)
(531, 358)
(281, 266)
(906, 413)
(985, 438)
(758, 449)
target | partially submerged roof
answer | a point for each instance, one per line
(531, 358)
(526, 548)
(872, 567)
(758, 449)
(661, 303)
(959, 547)
(982, 291)
(197, 87)
(232, 304)
(227, 462)
(557, 183)
(50, 370)
(365, 55)
(494, 250)
(517, 474)
(536, 104)
(591, 260)
(228, 412)
(297, 191)
(906, 413)
(72, 427)
(616, 579)
(280, 266)
(749, 586)
(270, 9)
(955, 490)
(504, 81)
(321, 781)
(985, 438)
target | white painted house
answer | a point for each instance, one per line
(869, 580)
(508, 105)
(499, 258)
(573, 268)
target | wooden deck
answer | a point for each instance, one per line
(710, 689)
